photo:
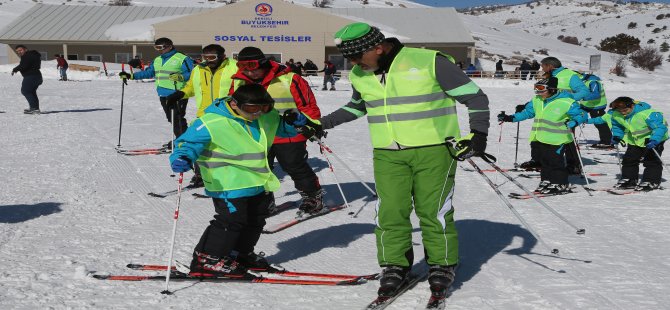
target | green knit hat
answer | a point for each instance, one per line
(357, 38)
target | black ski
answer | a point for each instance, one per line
(173, 192)
(539, 195)
(382, 302)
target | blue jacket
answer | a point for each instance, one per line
(579, 89)
(655, 123)
(575, 112)
(196, 138)
(599, 120)
(149, 73)
(594, 90)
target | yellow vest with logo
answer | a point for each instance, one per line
(206, 86)
(637, 130)
(411, 108)
(233, 159)
(162, 71)
(549, 124)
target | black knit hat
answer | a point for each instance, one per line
(356, 38)
(250, 53)
(551, 83)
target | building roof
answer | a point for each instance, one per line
(416, 25)
(83, 22)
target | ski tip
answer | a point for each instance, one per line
(581, 231)
(156, 195)
(133, 266)
(166, 292)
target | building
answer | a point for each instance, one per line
(281, 29)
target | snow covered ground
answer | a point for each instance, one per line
(72, 205)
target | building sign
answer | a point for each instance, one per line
(248, 38)
(263, 18)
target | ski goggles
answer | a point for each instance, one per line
(161, 47)
(248, 65)
(256, 108)
(540, 88)
(209, 57)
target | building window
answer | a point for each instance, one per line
(340, 62)
(122, 58)
(93, 57)
(72, 56)
(43, 56)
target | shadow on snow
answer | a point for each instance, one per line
(11, 214)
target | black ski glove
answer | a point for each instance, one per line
(125, 75)
(174, 97)
(502, 117)
(472, 145)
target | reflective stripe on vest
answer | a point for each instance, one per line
(564, 79)
(411, 108)
(280, 90)
(637, 130)
(233, 159)
(598, 102)
(163, 71)
(549, 125)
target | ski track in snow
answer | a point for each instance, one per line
(71, 205)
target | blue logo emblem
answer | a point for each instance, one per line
(263, 9)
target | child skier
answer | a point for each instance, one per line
(555, 114)
(230, 143)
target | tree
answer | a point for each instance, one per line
(647, 58)
(665, 47)
(620, 44)
(120, 3)
(632, 25)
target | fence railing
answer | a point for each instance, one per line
(509, 75)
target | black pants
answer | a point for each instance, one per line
(535, 151)
(604, 131)
(552, 158)
(29, 90)
(179, 109)
(292, 158)
(571, 153)
(653, 168)
(237, 225)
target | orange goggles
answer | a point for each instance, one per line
(209, 57)
(256, 108)
(248, 65)
(540, 88)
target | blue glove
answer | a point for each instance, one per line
(300, 120)
(652, 144)
(181, 164)
(571, 124)
(294, 118)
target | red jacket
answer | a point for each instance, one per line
(302, 95)
(61, 62)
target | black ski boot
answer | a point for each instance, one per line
(626, 184)
(531, 165)
(543, 184)
(205, 264)
(440, 279)
(392, 279)
(254, 262)
(556, 189)
(647, 186)
(311, 202)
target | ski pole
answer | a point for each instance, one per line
(174, 234)
(581, 164)
(323, 146)
(511, 207)
(580, 231)
(330, 165)
(516, 151)
(659, 159)
(123, 90)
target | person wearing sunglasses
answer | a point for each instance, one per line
(292, 94)
(644, 130)
(555, 113)
(210, 79)
(409, 96)
(171, 69)
(230, 143)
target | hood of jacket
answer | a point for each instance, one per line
(276, 70)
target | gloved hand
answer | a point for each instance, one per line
(181, 164)
(311, 130)
(571, 124)
(125, 75)
(473, 144)
(502, 117)
(617, 140)
(520, 108)
(176, 77)
(651, 143)
(174, 97)
(14, 71)
(294, 118)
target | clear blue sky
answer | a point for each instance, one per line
(464, 3)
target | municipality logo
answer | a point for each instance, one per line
(263, 9)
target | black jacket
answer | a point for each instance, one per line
(30, 64)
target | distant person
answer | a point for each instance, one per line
(172, 70)
(499, 69)
(298, 68)
(535, 68)
(29, 66)
(310, 68)
(525, 69)
(471, 70)
(61, 65)
(136, 63)
(596, 104)
(329, 71)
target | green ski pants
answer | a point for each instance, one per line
(422, 178)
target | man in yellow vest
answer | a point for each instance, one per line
(292, 94)
(171, 69)
(231, 142)
(209, 80)
(644, 130)
(555, 113)
(409, 96)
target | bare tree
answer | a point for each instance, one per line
(321, 3)
(120, 2)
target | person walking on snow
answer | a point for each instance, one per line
(292, 94)
(29, 66)
(231, 142)
(61, 66)
(172, 70)
(329, 71)
(645, 131)
(410, 113)
(210, 79)
(555, 114)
